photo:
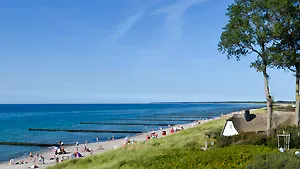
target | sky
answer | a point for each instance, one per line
(123, 51)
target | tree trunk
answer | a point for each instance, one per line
(297, 115)
(269, 101)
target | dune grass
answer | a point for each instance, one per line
(259, 111)
(179, 150)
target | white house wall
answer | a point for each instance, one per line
(229, 129)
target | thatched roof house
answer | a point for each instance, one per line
(237, 123)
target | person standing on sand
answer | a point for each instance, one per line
(57, 159)
(59, 143)
(30, 155)
(109, 139)
(43, 159)
(113, 138)
(77, 146)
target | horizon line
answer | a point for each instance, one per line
(163, 102)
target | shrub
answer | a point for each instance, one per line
(242, 138)
(275, 160)
(259, 139)
(295, 134)
(213, 133)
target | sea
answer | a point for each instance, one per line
(16, 119)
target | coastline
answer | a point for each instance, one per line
(107, 145)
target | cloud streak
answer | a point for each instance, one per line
(175, 17)
(128, 24)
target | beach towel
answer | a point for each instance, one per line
(78, 155)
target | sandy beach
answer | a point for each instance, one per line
(107, 145)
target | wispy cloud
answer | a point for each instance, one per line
(175, 17)
(128, 24)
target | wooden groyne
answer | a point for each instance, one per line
(91, 131)
(187, 115)
(129, 124)
(31, 144)
(158, 119)
(183, 116)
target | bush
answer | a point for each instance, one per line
(242, 138)
(259, 139)
(213, 133)
(295, 134)
(275, 160)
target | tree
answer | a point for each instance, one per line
(249, 32)
(286, 52)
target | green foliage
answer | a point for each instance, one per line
(243, 139)
(260, 139)
(275, 160)
(288, 108)
(286, 20)
(248, 31)
(229, 157)
(295, 134)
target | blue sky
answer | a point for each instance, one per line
(123, 51)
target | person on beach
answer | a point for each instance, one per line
(172, 130)
(97, 139)
(42, 158)
(113, 138)
(30, 155)
(100, 147)
(12, 162)
(152, 132)
(34, 160)
(109, 139)
(77, 146)
(86, 142)
(57, 159)
(85, 149)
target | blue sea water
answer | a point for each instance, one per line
(16, 119)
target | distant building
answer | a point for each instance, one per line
(237, 123)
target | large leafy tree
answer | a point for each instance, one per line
(248, 32)
(286, 52)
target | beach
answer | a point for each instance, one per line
(107, 146)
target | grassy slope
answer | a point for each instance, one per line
(180, 150)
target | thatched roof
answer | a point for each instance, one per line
(259, 123)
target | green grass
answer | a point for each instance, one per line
(179, 150)
(259, 111)
(284, 108)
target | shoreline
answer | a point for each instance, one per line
(107, 145)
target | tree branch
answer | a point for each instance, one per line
(254, 50)
(292, 70)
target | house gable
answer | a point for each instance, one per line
(229, 129)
